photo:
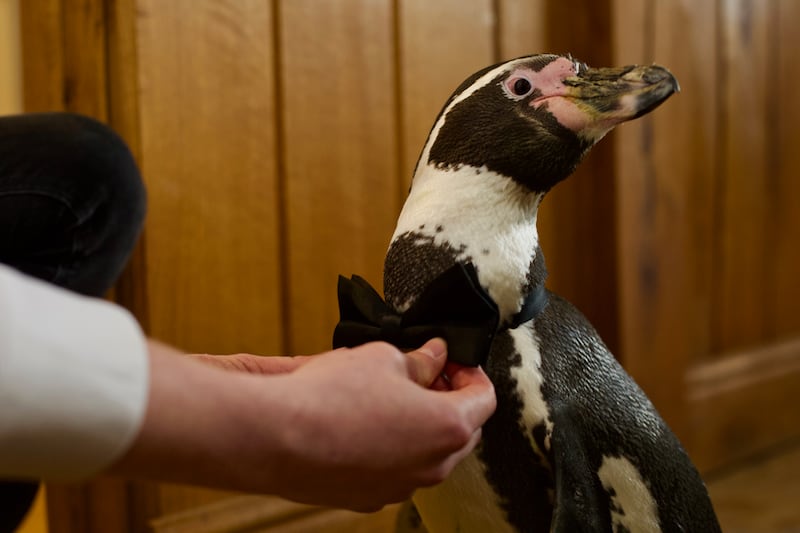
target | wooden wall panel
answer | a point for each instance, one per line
(65, 68)
(266, 514)
(339, 151)
(207, 115)
(521, 28)
(278, 140)
(577, 218)
(662, 170)
(741, 404)
(70, 37)
(685, 134)
(42, 36)
(744, 202)
(784, 116)
(85, 88)
(440, 44)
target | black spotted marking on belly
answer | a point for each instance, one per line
(537, 272)
(413, 261)
(517, 474)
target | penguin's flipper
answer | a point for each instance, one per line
(580, 502)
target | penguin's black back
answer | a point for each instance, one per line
(597, 411)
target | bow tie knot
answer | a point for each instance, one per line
(391, 329)
(453, 306)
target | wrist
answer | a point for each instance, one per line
(207, 426)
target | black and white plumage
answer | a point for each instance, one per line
(574, 445)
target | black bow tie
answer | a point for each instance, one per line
(454, 306)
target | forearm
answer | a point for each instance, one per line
(207, 426)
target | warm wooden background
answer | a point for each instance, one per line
(277, 139)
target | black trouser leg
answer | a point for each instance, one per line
(72, 205)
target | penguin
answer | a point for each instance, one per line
(574, 445)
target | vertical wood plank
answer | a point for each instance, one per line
(741, 310)
(207, 118)
(339, 148)
(67, 508)
(521, 28)
(685, 134)
(11, 98)
(665, 169)
(577, 219)
(64, 68)
(784, 115)
(64, 56)
(85, 61)
(122, 71)
(441, 44)
(130, 290)
(42, 36)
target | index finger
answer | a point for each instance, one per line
(473, 393)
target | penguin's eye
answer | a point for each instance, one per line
(517, 86)
(521, 87)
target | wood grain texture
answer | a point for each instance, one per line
(42, 35)
(577, 218)
(173, 499)
(339, 151)
(85, 60)
(759, 496)
(741, 403)
(784, 116)
(95, 507)
(521, 28)
(279, 146)
(268, 514)
(663, 169)
(743, 212)
(207, 113)
(130, 291)
(440, 44)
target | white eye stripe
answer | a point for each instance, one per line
(483, 81)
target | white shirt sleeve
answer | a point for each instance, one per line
(73, 381)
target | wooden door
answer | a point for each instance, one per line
(708, 224)
(277, 139)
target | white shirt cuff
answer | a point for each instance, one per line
(73, 381)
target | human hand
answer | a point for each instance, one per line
(253, 364)
(353, 428)
(364, 430)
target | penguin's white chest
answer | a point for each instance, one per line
(464, 502)
(482, 218)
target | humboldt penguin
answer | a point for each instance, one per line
(574, 445)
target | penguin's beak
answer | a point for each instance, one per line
(594, 100)
(624, 93)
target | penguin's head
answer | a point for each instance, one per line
(533, 118)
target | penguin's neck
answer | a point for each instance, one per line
(466, 214)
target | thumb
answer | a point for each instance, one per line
(426, 363)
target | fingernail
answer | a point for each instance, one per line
(434, 348)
